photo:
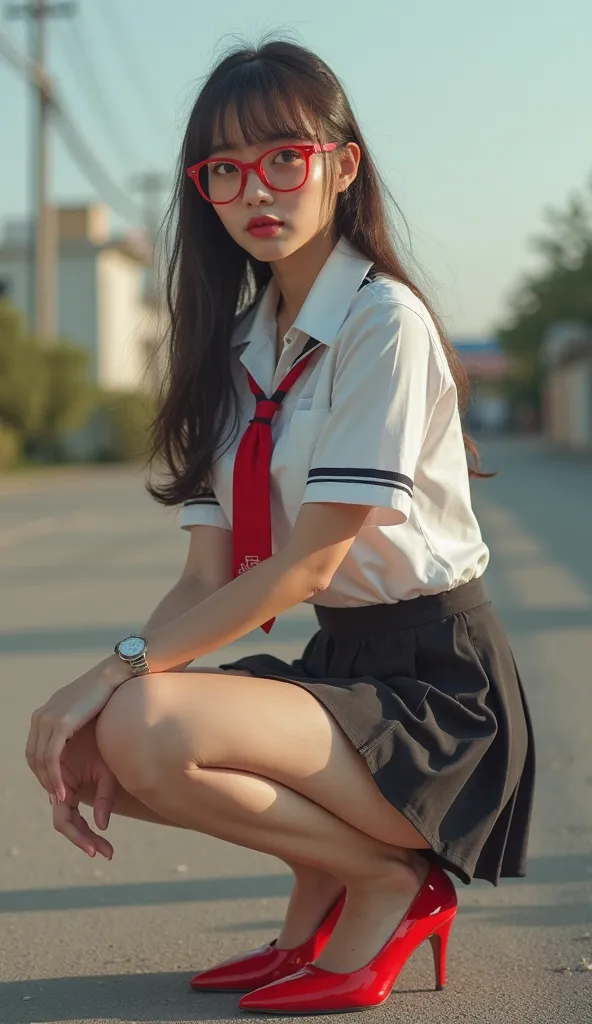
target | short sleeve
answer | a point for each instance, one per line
(387, 383)
(204, 510)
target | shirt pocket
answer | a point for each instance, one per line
(306, 424)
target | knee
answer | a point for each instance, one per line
(125, 734)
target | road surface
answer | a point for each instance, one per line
(85, 556)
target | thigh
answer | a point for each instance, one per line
(219, 671)
(265, 727)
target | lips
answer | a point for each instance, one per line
(260, 222)
(264, 227)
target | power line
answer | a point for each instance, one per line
(150, 186)
(117, 197)
(128, 54)
(82, 65)
(85, 157)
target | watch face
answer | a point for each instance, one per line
(132, 646)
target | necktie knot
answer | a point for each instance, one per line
(265, 410)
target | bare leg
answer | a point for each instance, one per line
(260, 763)
(314, 891)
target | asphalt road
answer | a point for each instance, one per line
(85, 556)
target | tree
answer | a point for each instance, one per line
(561, 289)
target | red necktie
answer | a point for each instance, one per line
(251, 509)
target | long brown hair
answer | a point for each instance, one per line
(211, 279)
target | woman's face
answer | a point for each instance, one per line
(298, 215)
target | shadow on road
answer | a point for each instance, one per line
(152, 998)
(93, 638)
(148, 998)
(536, 620)
(87, 572)
(552, 870)
(557, 868)
(144, 894)
(547, 915)
(518, 620)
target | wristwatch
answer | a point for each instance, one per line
(132, 649)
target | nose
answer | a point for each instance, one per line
(256, 192)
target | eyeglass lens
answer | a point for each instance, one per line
(284, 169)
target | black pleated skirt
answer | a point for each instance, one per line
(428, 692)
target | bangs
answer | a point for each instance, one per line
(255, 104)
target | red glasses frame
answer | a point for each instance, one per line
(307, 150)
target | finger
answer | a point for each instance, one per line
(43, 737)
(55, 748)
(104, 797)
(101, 845)
(70, 823)
(64, 824)
(32, 738)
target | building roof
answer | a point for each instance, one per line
(81, 247)
(82, 231)
(483, 357)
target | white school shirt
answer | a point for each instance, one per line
(372, 420)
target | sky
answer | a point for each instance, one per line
(478, 113)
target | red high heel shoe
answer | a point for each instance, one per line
(267, 963)
(313, 990)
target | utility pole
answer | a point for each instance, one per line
(149, 186)
(44, 240)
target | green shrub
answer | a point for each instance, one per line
(70, 394)
(10, 447)
(125, 417)
(23, 374)
(45, 392)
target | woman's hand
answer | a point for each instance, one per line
(67, 711)
(86, 776)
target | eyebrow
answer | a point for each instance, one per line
(271, 136)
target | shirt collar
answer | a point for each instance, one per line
(325, 308)
(329, 300)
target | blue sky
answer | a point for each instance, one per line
(478, 113)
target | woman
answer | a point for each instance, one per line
(310, 426)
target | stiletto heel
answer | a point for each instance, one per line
(267, 963)
(314, 990)
(439, 944)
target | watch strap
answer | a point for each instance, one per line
(139, 665)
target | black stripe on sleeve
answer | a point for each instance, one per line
(207, 498)
(373, 477)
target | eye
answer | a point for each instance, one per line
(223, 168)
(287, 156)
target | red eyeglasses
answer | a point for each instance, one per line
(283, 169)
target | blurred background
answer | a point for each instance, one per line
(477, 121)
(479, 118)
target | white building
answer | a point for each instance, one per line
(567, 354)
(101, 303)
